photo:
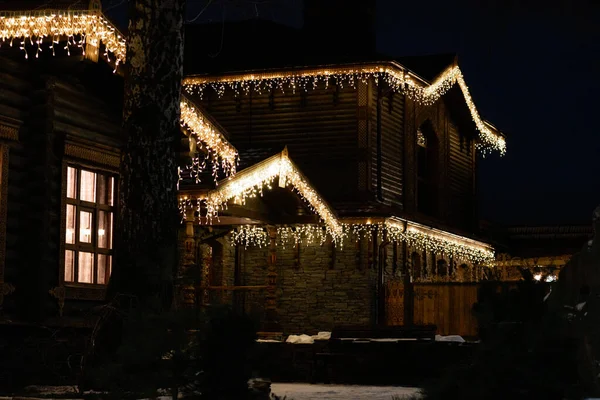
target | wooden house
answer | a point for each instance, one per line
(346, 186)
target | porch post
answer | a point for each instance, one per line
(408, 286)
(271, 318)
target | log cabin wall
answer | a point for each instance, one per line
(318, 125)
(455, 168)
(387, 154)
(15, 104)
(54, 118)
(86, 132)
(461, 180)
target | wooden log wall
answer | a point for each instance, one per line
(52, 114)
(461, 183)
(456, 165)
(84, 130)
(392, 145)
(15, 101)
(318, 125)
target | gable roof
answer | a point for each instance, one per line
(252, 180)
(397, 76)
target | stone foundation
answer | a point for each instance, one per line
(318, 287)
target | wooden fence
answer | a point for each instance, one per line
(446, 305)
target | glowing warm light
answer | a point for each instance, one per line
(250, 183)
(35, 26)
(396, 76)
(550, 278)
(219, 149)
(537, 277)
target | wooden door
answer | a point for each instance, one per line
(394, 303)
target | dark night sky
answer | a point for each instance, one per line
(532, 67)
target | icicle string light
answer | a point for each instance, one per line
(250, 235)
(250, 183)
(34, 26)
(219, 150)
(393, 74)
(415, 236)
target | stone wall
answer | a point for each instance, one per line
(317, 287)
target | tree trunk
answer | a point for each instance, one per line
(147, 224)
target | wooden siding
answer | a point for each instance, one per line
(448, 306)
(76, 118)
(52, 113)
(460, 179)
(319, 127)
(15, 88)
(392, 145)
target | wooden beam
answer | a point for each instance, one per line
(556, 261)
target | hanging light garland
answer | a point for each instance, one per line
(448, 246)
(35, 26)
(250, 235)
(207, 136)
(393, 74)
(251, 182)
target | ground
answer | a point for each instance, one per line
(305, 391)
(292, 391)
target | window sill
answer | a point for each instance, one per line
(84, 291)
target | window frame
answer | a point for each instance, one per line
(95, 208)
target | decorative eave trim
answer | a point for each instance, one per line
(9, 132)
(92, 155)
(504, 260)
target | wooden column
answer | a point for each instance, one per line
(409, 292)
(271, 318)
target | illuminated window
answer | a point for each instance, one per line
(88, 226)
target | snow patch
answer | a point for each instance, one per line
(300, 339)
(305, 391)
(450, 338)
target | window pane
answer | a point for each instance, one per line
(70, 232)
(111, 231)
(88, 186)
(69, 265)
(105, 229)
(71, 182)
(111, 193)
(86, 267)
(103, 269)
(106, 187)
(85, 226)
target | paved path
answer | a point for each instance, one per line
(305, 391)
